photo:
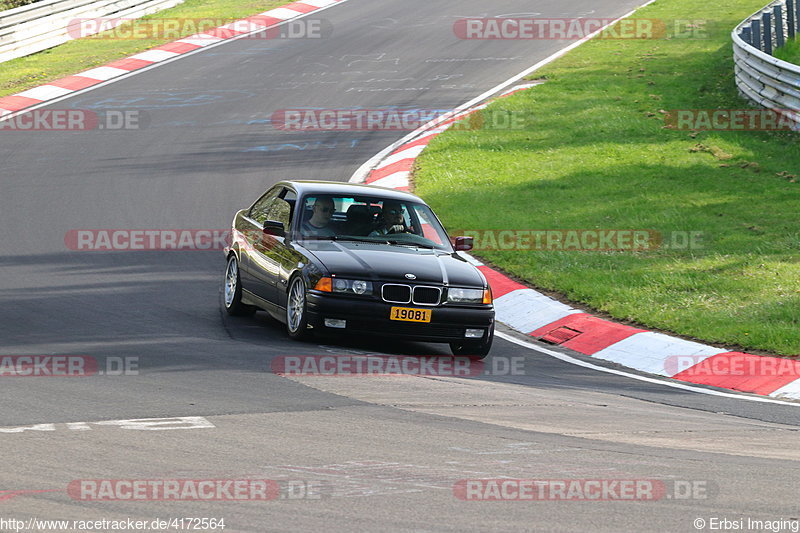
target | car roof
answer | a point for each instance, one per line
(304, 187)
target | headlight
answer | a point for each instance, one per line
(360, 287)
(352, 286)
(465, 296)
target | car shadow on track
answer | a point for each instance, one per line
(262, 329)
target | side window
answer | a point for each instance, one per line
(260, 209)
(290, 197)
(428, 229)
(279, 211)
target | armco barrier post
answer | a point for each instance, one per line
(756, 31)
(747, 35)
(780, 36)
(796, 16)
(766, 19)
(790, 18)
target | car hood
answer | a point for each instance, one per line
(383, 262)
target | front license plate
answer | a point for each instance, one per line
(409, 314)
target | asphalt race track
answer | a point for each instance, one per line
(386, 452)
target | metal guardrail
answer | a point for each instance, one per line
(763, 79)
(35, 27)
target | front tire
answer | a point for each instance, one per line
(296, 315)
(232, 290)
(477, 349)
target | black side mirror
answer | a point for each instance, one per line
(463, 244)
(273, 227)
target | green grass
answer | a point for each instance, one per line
(790, 52)
(81, 54)
(597, 155)
(10, 4)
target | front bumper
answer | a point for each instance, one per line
(371, 317)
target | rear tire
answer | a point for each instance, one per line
(478, 349)
(296, 316)
(232, 290)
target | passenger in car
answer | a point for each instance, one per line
(319, 223)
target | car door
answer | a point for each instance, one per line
(267, 249)
(251, 227)
(287, 257)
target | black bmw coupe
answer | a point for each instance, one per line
(333, 257)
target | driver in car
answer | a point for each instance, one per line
(391, 220)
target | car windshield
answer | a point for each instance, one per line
(370, 219)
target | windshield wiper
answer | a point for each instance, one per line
(416, 245)
(352, 238)
(377, 239)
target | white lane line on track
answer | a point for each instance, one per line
(138, 424)
(128, 74)
(578, 362)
